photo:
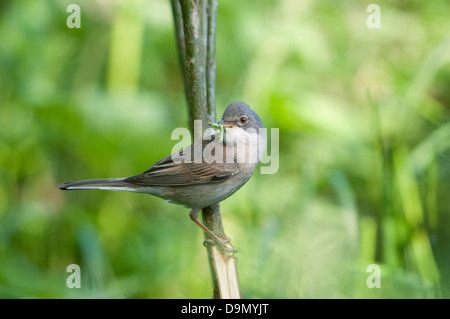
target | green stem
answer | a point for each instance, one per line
(179, 32)
(194, 63)
(196, 40)
(211, 60)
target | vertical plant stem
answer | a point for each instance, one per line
(196, 46)
(222, 267)
(211, 59)
(179, 33)
(194, 63)
(204, 25)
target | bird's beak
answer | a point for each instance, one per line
(226, 124)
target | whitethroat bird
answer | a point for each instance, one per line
(226, 165)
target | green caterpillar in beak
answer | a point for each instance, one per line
(220, 127)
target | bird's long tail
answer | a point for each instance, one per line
(114, 184)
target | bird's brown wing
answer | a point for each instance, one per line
(168, 172)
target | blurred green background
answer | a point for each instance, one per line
(364, 174)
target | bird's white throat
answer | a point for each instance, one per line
(249, 145)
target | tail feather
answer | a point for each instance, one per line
(116, 184)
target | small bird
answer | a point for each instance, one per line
(226, 165)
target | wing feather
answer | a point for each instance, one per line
(168, 172)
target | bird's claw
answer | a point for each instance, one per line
(222, 245)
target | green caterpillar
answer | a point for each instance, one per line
(220, 127)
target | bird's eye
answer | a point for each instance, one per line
(243, 119)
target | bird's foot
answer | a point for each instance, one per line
(222, 244)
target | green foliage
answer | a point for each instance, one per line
(364, 149)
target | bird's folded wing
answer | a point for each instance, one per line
(166, 172)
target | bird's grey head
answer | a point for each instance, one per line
(244, 127)
(239, 114)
